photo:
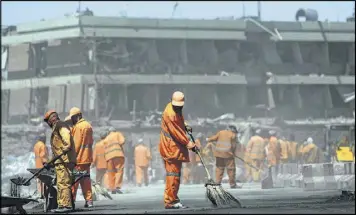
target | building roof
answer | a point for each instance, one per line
(94, 26)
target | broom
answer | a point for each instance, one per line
(97, 189)
(215, 192)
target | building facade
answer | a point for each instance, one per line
(116, 65)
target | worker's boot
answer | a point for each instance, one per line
(62, 210)
(88, 204)
(177, 205)
(118, 191)
(113, 192)
(236, 186)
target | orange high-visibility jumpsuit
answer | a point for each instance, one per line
(189, 170)
(142, 158)
(284, 151)
(256, 153)
(224, 153)
(99, 161)
(173, 149)
(41, 156)
(273, 154)
(60, 141)
(83, 138)
(115, 159)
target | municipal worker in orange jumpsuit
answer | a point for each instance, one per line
(82, 133)
(173, 147)
(225, 151)
(41, 156)
(273, 150)
(256, 151)
(115, 159)
(142, 159)
(62, 142)
(99, 160)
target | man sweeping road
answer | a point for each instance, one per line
(173, 147)
(224, 152)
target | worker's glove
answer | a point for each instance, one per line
(188, 129)
(191, 145)
(196, 149)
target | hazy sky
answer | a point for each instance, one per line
(14, 12)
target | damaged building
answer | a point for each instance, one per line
(111, 66)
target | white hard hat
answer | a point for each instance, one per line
(310, 140)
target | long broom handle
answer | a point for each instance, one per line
(250, 165)
(40, 170)
(201, 159)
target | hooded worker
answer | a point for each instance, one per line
(225, 149)
(273, 149)
(142, 160)
(115, 159)
(309, 152)
(62, 142)
(98, 158)
(82, 133)
(256, 153)
(41, 156)
(173, 147)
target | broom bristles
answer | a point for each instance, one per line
(220, 197)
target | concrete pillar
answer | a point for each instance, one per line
(210, 52)
(153, 56)
(298, 97)
(271, 103)
(327, 97)
(157, 88)
(74, 96)
(56, 96)
(269, 53)
(183, 52)
(351, 59)
(297, 55)
(325, 54)
(216, 98)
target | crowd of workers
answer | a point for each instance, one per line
(74, 137)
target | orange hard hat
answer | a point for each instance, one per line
(178, 99)
(74, 111)
(48, 114)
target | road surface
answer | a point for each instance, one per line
(252, 197)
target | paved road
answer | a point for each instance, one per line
(253, 200)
